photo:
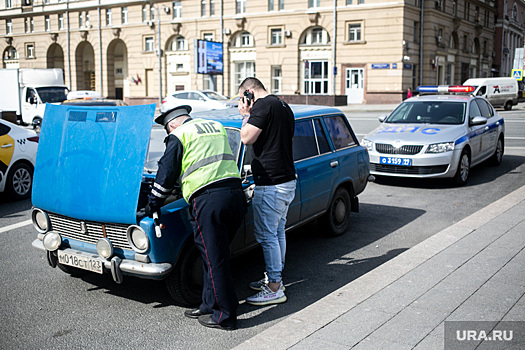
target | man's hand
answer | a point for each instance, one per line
(244, 107)
(148, 210)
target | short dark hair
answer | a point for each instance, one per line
(252, 83)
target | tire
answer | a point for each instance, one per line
(73, 271)
(508, 105)
(19, 181)
(461, 176)
(498, 153)
(184, 283)
(338, 215)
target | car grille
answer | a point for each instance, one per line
(70, 228)
(390, 149)
(411, 170)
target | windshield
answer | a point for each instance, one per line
(214, 96)
(157, 147)
(52, 94)
(429, 112)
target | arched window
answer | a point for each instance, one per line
(315, 36)
(243, 39)
(178, 43)
(10, 54)
(514, 13)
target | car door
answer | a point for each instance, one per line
(490, 136)
(475, 133)
(7, 148)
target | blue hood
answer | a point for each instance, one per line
(90, 161)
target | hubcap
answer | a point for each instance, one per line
(21, 181)
(464, 167)
(339, 212)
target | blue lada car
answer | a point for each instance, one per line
(96, 165)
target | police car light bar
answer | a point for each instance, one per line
(445, 88)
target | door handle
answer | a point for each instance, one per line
(334, 163)
(486, 128)
(7, 145)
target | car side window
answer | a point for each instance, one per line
(474, 110)
(322, 141)
(339, 132)
(194, 96)
(304, 143)
(483, 108)
(4, 129)
(183, 95)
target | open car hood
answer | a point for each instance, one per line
(90, 161)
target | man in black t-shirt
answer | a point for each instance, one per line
(268, 125)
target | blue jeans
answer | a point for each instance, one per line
(270, 207)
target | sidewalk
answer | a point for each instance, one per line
(472, 271)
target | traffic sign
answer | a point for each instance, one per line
(518, 74)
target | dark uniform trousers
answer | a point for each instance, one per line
(216, 214)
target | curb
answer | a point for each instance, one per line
(307, 321)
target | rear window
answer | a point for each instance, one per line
(339, 132)
(309, 139)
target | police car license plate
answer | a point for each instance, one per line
(395, 161)
(80, 261)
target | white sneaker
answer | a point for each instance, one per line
(267, 297)
(257, 285)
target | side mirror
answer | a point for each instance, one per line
(478, 121)
(382, 118)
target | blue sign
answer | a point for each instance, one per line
(380, 65)
(407, 66)
(394, 65)
(208, 57)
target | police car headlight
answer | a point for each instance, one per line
(52, 241)
(367, 144)
(138, 239)
(40, 220)
(440, 147)
(104, 248)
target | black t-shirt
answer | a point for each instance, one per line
(273, 156)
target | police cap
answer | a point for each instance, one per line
(173, 113)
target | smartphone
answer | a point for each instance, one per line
(248, 96)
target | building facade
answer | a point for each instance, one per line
(508, 36)
(372, 51)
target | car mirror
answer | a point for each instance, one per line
(382, 118)
(478, 121)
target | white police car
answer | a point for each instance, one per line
(436, 136)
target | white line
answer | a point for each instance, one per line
(12, 227)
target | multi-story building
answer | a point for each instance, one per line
(508, 36)
(369, 50)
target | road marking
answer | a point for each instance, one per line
(12, 227)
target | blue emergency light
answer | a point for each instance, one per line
(445, 88)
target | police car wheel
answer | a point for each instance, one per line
(19, 181)
(497, 157)
(338, 216)
(463, 169)
(184, 283)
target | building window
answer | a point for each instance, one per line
(514, 13)
(26, 25)
(360, 2)
(203, 8)
(30, 50)
(212, 7)
(240, 6)
(316, 77)
(47, 23)
(314, 3)
(8, 4)
(317, 36)
(454, 8)
(10, 54)
(81, 19)
(144, 14)
(476, 15)
(467, 10)
(207, 36)
(354, 32)
(177, 9)
(272, 3)
(243, 39)
(60, 21)
(87, 20)
(276, 36)
(243, 70)
(31, 25)
(108, 17)
(276, 80)
(124, 15)
(181, 43)
(348, 2)
(151, 12)
(149, 44)
(8, 26)
(465, 43)
(415, 38)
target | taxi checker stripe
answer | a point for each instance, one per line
(206, 161)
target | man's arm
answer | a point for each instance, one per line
(249, 133)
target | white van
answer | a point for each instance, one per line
(500, 92)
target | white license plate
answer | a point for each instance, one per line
(80, 261)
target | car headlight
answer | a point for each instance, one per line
(104, 248)
(367, 144)
(52, 241)
(40, 220)
(440, 147)
(138, 239)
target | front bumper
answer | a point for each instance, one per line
(119, 266)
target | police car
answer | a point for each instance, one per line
(437, 136)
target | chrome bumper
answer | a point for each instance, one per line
(126, 266)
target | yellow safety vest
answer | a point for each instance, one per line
(207, 155)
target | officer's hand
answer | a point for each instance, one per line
(148, 210)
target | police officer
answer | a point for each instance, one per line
(198, 152)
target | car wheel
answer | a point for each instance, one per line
(73, 271)
(498, 153)
(184, 283)
(508, 105)
(19, 181)
(463, 169)
(338, 215)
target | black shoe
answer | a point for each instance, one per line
(195, 313)
(207, 321)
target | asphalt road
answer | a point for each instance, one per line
(43, 308)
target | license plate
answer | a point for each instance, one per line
(80, 261)
(395, 161)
